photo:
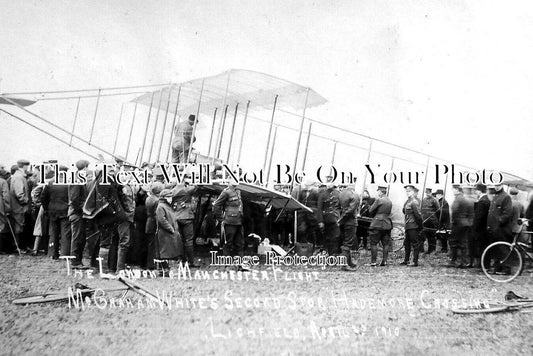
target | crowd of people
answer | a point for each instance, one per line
(158, 221)
(478, 216)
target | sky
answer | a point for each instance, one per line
(449, 78)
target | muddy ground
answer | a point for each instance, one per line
(389, 310)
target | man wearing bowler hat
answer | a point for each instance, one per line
(479, 227)
(499, 224)
(381, 226)
(413, 225)
(444, 219)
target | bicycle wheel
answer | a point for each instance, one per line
(504, 259)
(397, 238)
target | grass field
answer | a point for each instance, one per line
(391, 310)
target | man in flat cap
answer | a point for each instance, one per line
(55, 202)
(462, 220)
(19, 193)
(518, 210)
(430, 210)
(479, 228)
(183, 139)
(381, 226)
(413, 225)
(76, 198)
(127, 199)
(444, 219)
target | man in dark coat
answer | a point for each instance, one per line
(462, 220)
(499, 222)
(307, 222)
(182, 204)
(381, 226)
(228, 210)
(529, 215)
(413, 225)
(5, 211)
(168, 239)
(54, 199)
(518, 211)
(364, 223)
(151, 223)
(19, 198)
(479, 227)
(183, 139)
(76, 198)
(126, 196)
(328, 215)
(444, 219)
(430, 210)
(349, 204)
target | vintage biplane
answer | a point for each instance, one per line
(246, 117)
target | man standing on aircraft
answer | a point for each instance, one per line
(183, 139)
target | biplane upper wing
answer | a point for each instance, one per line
(7, 100)
(231, 87)
(257, 194)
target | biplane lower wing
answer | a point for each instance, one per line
(257, 194)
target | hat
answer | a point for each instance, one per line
(157, 188)
(458, 187)
(411, 186)
(439, 191)
(481, 187)
(81, 164)
(428, 190)
(382, 188)
(513, 191)
(63, 168)
(22, 162)
(157, 171)
(165, 193)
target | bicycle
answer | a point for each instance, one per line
(509, 258)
